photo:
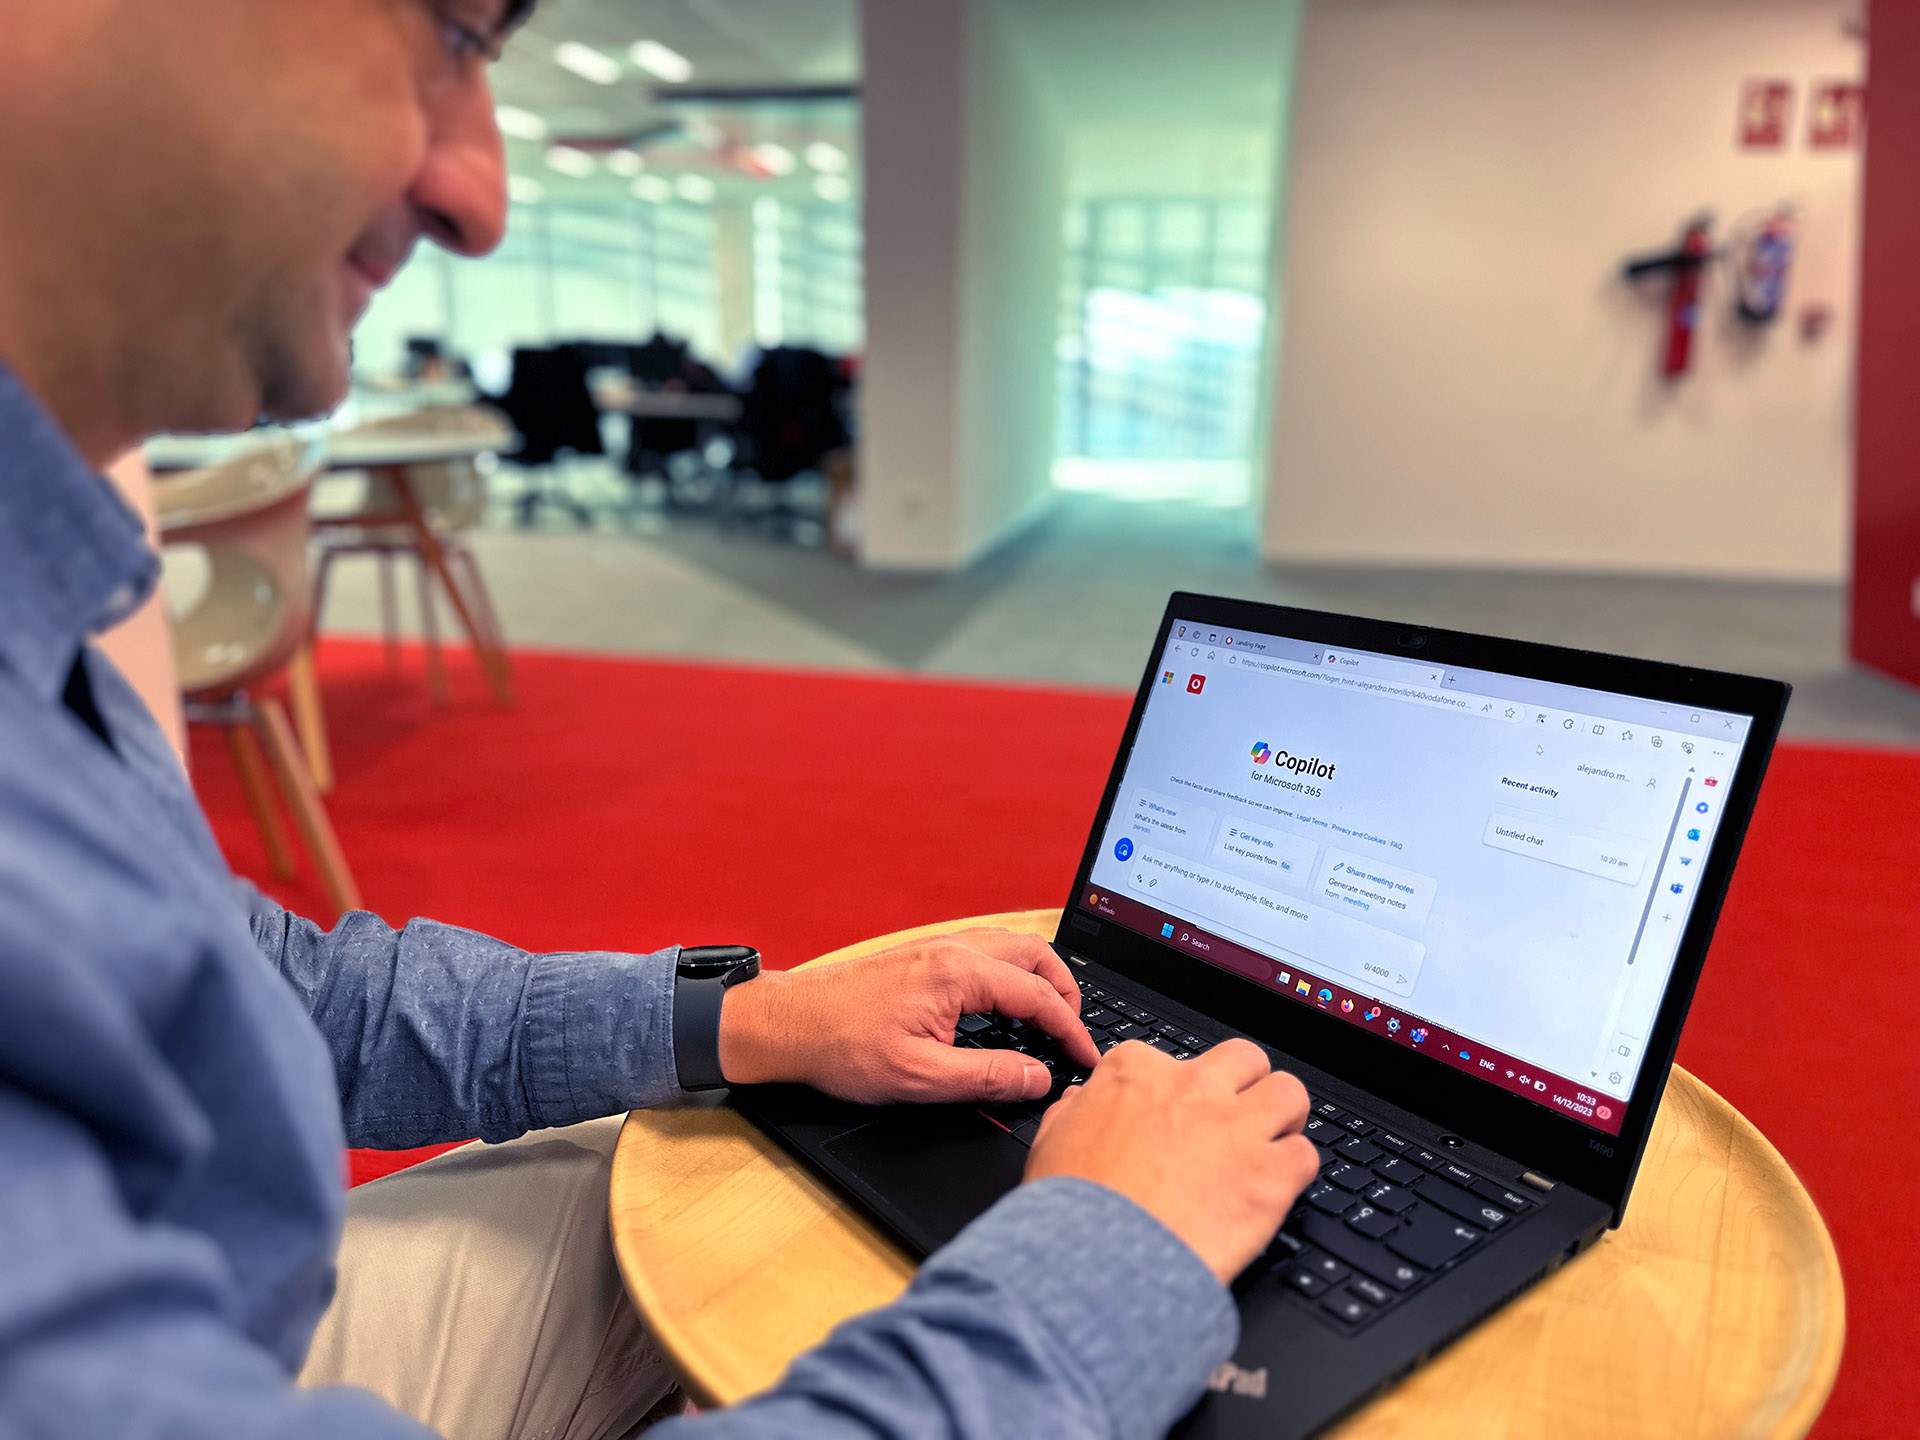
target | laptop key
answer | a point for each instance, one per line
(1461, 1204)
(1400, 1171)
(1323, 1131)
(974, 1024)
(1431, 1238)
(1358, 1151)
(1458, 1174)
(1327, 1110)
(1356, 1126)
(1129, 1030)
(1098, 1016)
(1104, 1043)
(1350, 1177)
(1371, 1291)
(1326, 1199)
(1391, 1198)
(1160, 1043)
(1501, 1196)
(1306, 1282)
(1392, 1142)
(1347, 1306)
(1168, 1029)
(1374, 1223)
(1325, 1266)
(1194, 1042)
(1425, 1159)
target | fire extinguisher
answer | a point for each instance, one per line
(1686, 263)
(1762, 259)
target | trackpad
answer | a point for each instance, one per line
(930, 1171)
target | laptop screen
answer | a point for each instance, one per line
(1490, 870)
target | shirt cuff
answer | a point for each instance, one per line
(598, 1031)
(1122, 1297)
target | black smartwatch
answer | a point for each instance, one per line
(700, 981)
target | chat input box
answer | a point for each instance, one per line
(1168, 823)
(1259, 850)
(1362, 885)
(1607, 856)
(1327, 941)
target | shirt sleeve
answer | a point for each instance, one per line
(1065, 1311)
(118, 1324)
(439, 1033)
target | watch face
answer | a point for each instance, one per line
(707, 962)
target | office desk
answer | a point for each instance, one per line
(1715, 1310)
(644, 403)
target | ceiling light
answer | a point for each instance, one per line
(827, 159)
(654, 189)
(520, 124)
(656, 59)
(772, 158)
(834, 189)
(697, 188)
(569, 160)
(587, 62)
(523, 190)
(625, 163)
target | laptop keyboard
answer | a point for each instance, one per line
(1385, 1216)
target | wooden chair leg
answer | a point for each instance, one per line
(309, 815)
(433, 555)
(389, 611)
(245, 752)
(488, 634)
(430, 637)
(310, 717)
(322, 572)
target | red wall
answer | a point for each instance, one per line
(1886, 534)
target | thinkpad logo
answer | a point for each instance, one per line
(1232, 1380)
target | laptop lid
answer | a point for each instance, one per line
(1476, 877)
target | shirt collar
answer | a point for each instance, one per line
(74, 558)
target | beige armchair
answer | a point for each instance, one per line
(254, 616)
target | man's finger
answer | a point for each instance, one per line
(999, 986)
(1030, 953)
(947, 1073)
(1241, 1062)
(1276, 1103)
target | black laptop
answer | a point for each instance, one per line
(1462, 887)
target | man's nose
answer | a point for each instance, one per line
(460, 192)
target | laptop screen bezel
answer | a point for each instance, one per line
(1557, 1146)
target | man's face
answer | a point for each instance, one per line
(240, 176)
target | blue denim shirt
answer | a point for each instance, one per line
(181, 1062)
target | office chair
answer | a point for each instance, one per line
(549, 404)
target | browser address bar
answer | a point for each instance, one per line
(1487, 706)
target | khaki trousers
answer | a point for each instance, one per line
(478, 1294)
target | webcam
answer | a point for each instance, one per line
(1412, 640)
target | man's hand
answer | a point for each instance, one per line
(1210, 1147)
(881, 1028)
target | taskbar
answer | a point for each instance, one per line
(1369, 1012)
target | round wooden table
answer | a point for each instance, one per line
(1715, 1310)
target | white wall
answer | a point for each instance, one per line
(963, 203)
(1462, 378)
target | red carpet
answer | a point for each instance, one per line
(627, 804)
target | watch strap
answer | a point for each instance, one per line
(696, 1031)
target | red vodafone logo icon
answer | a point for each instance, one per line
(1196, 683)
